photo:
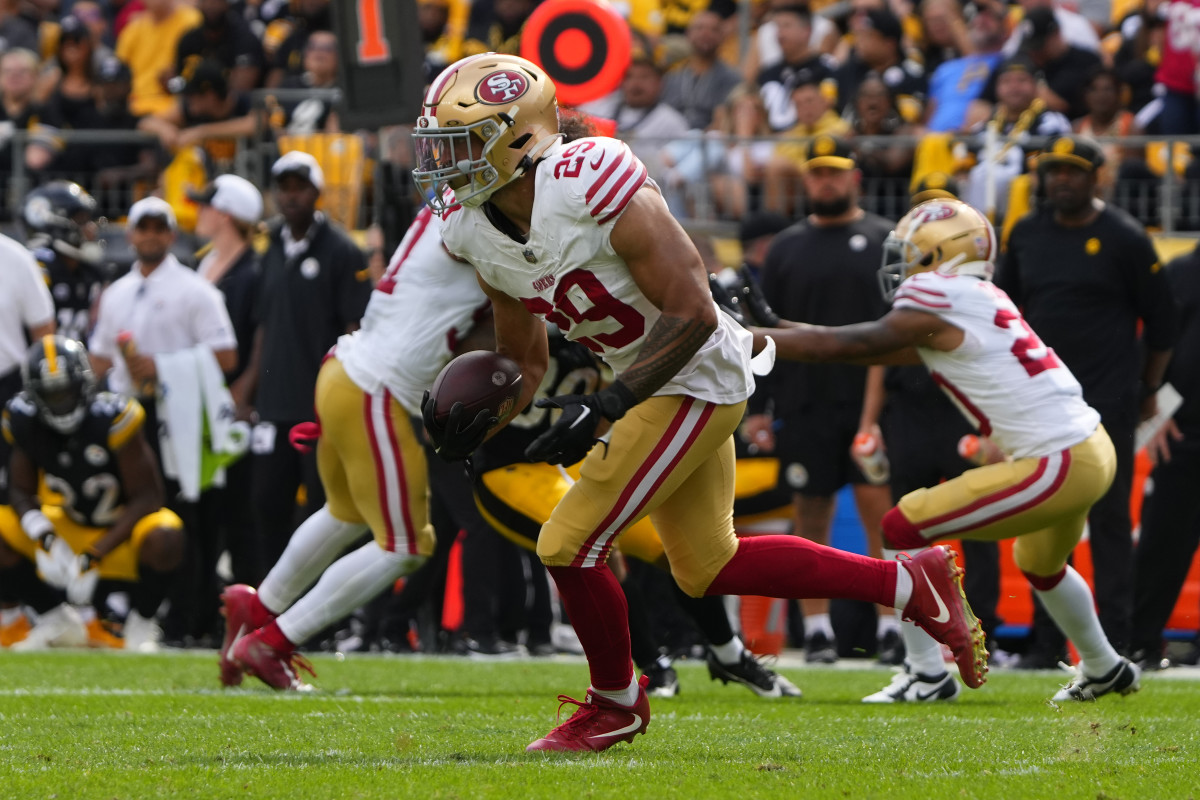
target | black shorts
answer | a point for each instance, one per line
(814, 450)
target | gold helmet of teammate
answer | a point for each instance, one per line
(943, 235)
(486, 119)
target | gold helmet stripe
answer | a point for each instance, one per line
(51, 351)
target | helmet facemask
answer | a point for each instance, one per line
(901, 258)
(456, 158)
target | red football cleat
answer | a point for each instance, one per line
(277, 669)
(939, 606)
(597, 724)
(244, 613)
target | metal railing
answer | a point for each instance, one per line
(1166, 199)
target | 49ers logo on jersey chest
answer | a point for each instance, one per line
(501, 87)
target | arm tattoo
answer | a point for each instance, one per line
(670, 344)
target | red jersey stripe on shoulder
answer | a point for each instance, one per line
(637, 183)
(598, 184)
(921, 301)
(602, 206)
(915, 286)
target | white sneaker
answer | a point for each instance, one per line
(61, 626)
(1124, 678)
(910, 687)
(141, 635)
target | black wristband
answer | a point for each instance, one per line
(1147, 390)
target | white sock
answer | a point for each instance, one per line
(730, 652)
(627, 697)
(904, 584)
(922, 652)
(818, 623)
(1072, 608)
(350, 582)
(316, 543)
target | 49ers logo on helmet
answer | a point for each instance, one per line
(501, 87)
(932, 212)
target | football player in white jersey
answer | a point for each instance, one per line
(945, 312)
(577, 235)
(371, 461)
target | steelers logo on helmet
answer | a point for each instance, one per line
(944, 236)
(501, 87)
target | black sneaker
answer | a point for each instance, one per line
(488, 647)
(1124, 678)
(663, 682)
(820, 649)
(753, 674)
(891, 648)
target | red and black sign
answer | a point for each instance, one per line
(583, 45)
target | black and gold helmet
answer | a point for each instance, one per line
(58, 378)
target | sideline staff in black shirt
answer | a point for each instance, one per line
(1085, 273)
(824, 271)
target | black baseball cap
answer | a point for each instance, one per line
(1079, 151)
(885, 22)
(1039, 24)
(207, 76)
(830, 151)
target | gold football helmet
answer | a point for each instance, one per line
(485, 120)
(942, 235)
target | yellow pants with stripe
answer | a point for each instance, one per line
(371, 462)
(1044, 501)
(119, 565)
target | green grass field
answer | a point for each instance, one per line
(110, 725)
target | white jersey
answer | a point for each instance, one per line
(424, 304)
(1009, 384)
(569, 274)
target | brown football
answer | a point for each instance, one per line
(480, 379)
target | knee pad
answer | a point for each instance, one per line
(899, 533)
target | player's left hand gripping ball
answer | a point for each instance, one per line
(572, 436)
(457, 438)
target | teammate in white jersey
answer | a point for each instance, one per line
(577, 235)
(945, 311)
(371, 461)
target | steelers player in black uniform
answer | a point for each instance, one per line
(60, 232)
(1086, 274)
(108, 523)
(516, 498)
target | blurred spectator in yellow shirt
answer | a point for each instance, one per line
(147, 44)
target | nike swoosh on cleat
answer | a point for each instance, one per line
(943, 612)
(233, 642)
(633, 726)
(929, 695)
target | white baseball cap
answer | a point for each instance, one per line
(302, 164)
(151, 207)
(236, 196)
